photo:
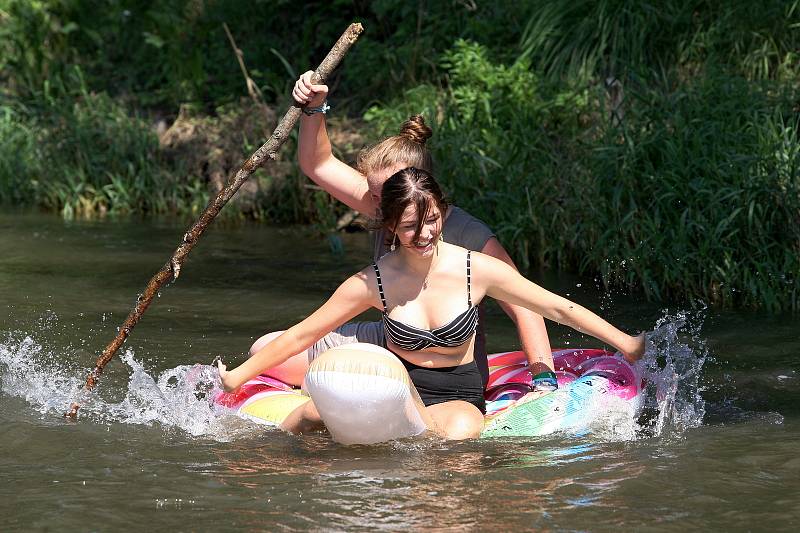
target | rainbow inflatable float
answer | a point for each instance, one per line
(364, 395)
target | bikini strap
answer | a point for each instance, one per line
(380, 285)
(469, 276)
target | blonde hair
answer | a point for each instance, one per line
(408, 147)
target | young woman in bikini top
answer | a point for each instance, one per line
(360, 188)
(423, 286)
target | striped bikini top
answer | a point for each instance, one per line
(411, 338)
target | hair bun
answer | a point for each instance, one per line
(415, 129)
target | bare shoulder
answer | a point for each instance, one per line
(362, 280)
(361, 286)
(488, 263)
(453, 250)
(491, 270)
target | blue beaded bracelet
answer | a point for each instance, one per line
(319, 109)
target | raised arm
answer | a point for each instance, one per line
(530, 326)
(503, 283)
(351, 298)
(315, 154)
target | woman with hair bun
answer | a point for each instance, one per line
(360, 189)
(428, 292)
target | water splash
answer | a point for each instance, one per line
(35, 374)
(180, 398)
(671, 400)
(615, 420)
(672, 366)
(177, 399)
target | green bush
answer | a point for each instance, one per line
(696, 194)
(162, 54)
(85, 156)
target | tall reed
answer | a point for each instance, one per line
(598, 38)
(86, 155)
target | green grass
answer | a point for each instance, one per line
(597, 38)
(87, 156)
(702, 195)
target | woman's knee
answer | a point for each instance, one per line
(464, 426)
(303, 419)
(263, 341)
(460, 420)
(292, 371)
(310, 413)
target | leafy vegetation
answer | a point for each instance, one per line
(652, 145)
(586, 38)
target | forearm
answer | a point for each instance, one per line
(505, 284)
(336, 177)
(533, 337)
(270, 356)
(352, 297)
(585, 321)
(314, 146)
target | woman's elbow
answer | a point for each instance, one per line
(561, 313)
(309, 168)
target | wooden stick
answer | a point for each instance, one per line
(172, 269)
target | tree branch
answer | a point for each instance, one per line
(172, 269)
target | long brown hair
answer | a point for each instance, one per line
(410, 186)
(408, 148)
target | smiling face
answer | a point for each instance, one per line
(412, 209)
(420, 236)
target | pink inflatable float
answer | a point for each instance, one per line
(364, 395)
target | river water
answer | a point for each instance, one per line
(716, 446)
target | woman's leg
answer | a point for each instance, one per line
(303, 419)
(457, 419)
(292, 371)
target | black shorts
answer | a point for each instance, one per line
(438, 385)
